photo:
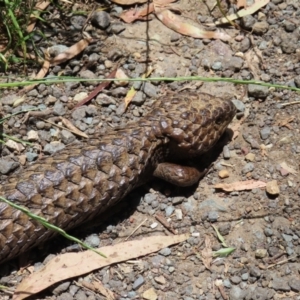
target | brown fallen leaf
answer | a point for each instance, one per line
(98, 287)
(137, 14)
(240, 185)
(72, 128)
(71, 265)
(243, 12)
(98, 89)
(288, 168)
(129, 2)
(71, 52)
(39, 7)
(141, 13)
(206, 253)
(285, 122)
(41, 74)
(175, 23)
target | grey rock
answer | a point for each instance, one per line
(149, 198)
(59, 109)
(224, 229)
(263, 45)
(73, 289)
(154, 204)
(94, 57)
(115, 53)
(255, 271)
(265, 77)
(100, 19)
(7, 166)
(67, 136)
(65, 296)
(217, 66)
(78, 21)
(40, 124)
(53, 147)
(227, 283)
(177, 200)
(139, 98)
(280, 284)
(61, 288)
(80, 295)
(175, 37)
(33, 93)
(91, 110)
(156, 260)
(210, 203)
(138, 282)
(289, 251)
(149, 89)
(205, 63)
(119, 91)
(268, 231)
(289, 26)
(31, 156)
(236, 293)
(136, 84)
(79, 113)
(294, 283)
(258, 91)
(297, 81)
(240, 106)
(105, 100)
(248, 21)
(116, 10)
(265, 133)
(87, 74)
(226, 152)
(235, 279)
(165, 251)
(249, 167)
(57, 49)
(259, 293)
(131, 294)
(117, 28)
(245, 276)
(260, 27)
(287, 237)
(289, 46)
(169, 210)
(245, 45)
(213, 216)
(234, 63)
(93, 240)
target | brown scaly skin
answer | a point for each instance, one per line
(82, 181)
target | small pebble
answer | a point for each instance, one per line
(272, 188)
(261, 253)
(138, 282)
(223, 174)
(150, 294)
(250, 157)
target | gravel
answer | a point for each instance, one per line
(260, 225)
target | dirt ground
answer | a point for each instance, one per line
(262, 224)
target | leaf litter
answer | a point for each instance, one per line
(76, 264)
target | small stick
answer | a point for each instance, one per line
(165, 223)
(135, 229)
